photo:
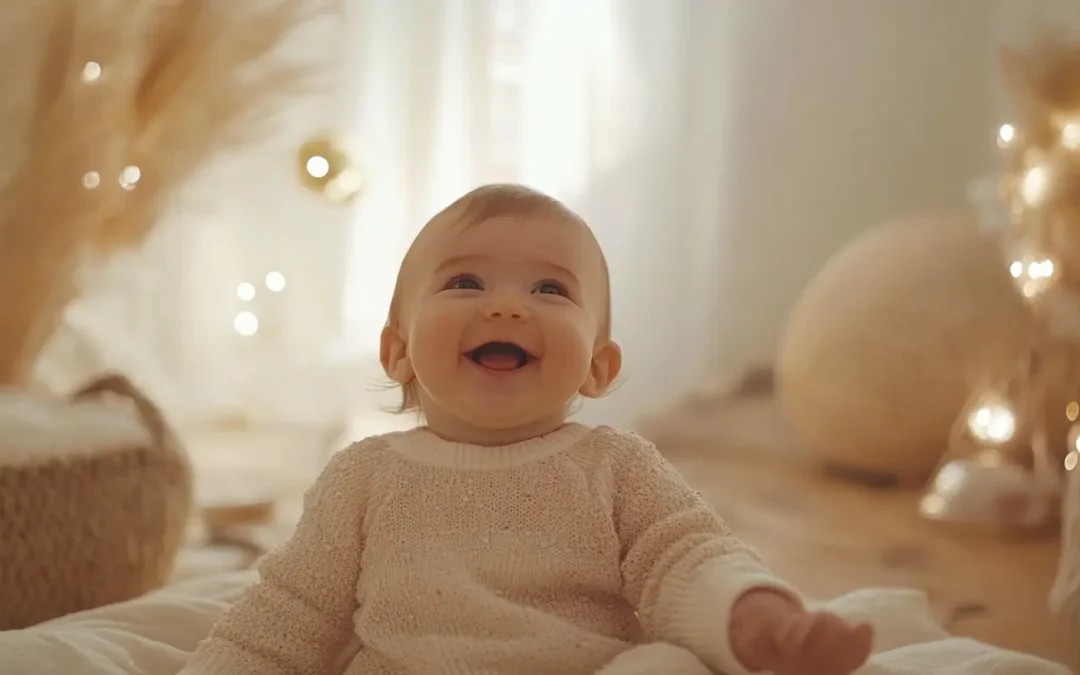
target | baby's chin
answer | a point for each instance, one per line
(502, 413)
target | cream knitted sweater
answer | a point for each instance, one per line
(547, 557)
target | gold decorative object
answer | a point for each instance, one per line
(1009, 445)
(326, 168)
(1014, 442)
(118, 104)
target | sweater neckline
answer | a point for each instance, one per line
(423, 446)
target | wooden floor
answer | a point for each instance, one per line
(824, 535)
(829, 536)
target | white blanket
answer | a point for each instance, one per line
(155, 635)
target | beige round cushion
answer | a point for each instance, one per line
(885, 344)
(95, 500)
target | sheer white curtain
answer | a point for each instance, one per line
(611, 105)
(721, 149)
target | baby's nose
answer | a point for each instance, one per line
(507, 307)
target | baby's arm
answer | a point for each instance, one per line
(682, 568)
(298, 617)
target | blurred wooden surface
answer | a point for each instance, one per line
(828, 536)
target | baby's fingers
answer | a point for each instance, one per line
(835, 647)
(861, 644)
(792, 637)
(846, 650)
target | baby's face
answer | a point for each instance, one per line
(501, 320)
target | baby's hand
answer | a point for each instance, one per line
(778, 635)
(820, 643)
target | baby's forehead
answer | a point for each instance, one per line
(559, 241)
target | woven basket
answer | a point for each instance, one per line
(85, 526)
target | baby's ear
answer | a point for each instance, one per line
(605, 367)
(394, 356)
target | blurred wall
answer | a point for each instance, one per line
(846, 114)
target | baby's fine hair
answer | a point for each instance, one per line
(494, 200)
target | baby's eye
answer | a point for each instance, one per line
(550, 288)
(464, 282)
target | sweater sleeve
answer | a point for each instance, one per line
(298, 618)
(682, 568)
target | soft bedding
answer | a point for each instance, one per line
(156, 634)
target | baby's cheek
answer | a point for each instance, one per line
(440, 323)
(573, 343)
(435, 336)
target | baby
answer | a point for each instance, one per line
(500, 539)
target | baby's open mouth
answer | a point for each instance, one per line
(500, 356)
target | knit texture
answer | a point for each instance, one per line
(551, 556)
(86, 522)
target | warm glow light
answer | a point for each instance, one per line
(1072, 411)
(1070, 136)
(91, 72)
(932, 505)
(246, 291)
(950, 478)
(318, 166)
(993, 423)
(344, 186)
(1034, 275)
(246, 324)
(1006, 135)
(1073, 456)
(275, 281)
(1040, 269)
(326, 169)
(1035, 185)
(91, 180)
(129, 177)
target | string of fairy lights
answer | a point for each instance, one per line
(246, 321)
(324, 168)
(1032, 265)
(1020, 434)
(130, 175)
